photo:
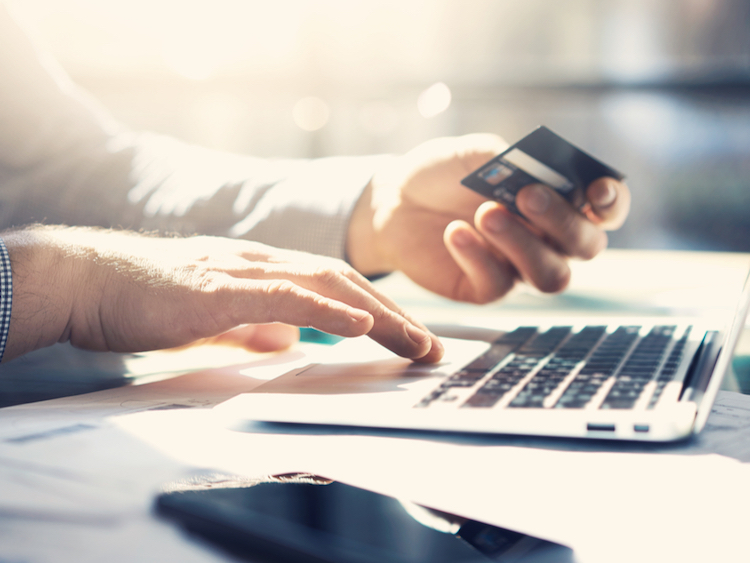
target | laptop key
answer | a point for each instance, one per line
(482, 400)
(545, 343)
(518, 336)
(549, 378)
(639, 369)
(489, 359)
(602, 363)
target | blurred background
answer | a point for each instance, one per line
(659, 89)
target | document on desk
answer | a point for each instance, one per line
(31, 491)
(610, 502)
(64, 460)
(25, 424)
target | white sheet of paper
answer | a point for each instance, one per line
(608, 505)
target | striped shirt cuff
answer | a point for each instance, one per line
(6, 296)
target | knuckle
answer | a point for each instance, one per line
(586, 251)
(209, 283)
(555, 280)
(275, 297)
(592, 250)
(351, 274)
(571, 231)
(575, 242)
(327, 276)
(198, 276)
(279, 289)
(382, 314)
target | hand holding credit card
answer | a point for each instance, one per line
(540, 157)
(416, 217)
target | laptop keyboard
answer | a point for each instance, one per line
(566, 369)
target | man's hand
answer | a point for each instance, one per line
(415, 216)
(108, 290)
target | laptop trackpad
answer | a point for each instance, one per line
(363, 366)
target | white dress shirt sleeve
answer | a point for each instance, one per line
(65, 160)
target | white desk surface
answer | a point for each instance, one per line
(78, 474)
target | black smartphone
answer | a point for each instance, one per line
(339, 523)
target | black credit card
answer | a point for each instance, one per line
(540, 157)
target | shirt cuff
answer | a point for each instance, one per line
(6, 296)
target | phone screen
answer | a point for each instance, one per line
(338, 523)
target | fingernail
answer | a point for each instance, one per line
(536, 199)
(460, 237)
(418, 336)
(603, 195)
(358, 314)
(496, 221)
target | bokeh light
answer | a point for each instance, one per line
(434, 100)
(311, 113)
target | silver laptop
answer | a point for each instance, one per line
(647, 379)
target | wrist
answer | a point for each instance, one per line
(43, 290)
(362, 251)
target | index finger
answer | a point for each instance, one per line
(610, 202)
